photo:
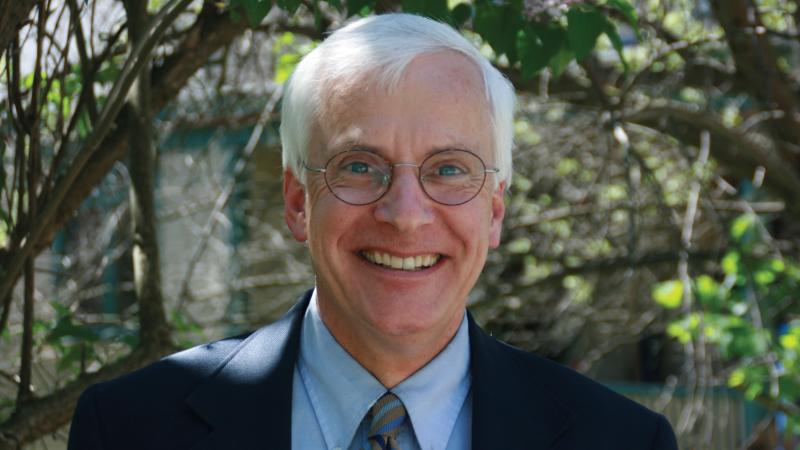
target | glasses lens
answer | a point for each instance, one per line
(452, 177)
(357, 177)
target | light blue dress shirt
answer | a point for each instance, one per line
(332, 393)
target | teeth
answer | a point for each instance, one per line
(400, 263)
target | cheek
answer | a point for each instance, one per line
(472, 228)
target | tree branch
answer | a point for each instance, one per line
(757, 63)
(735, 150)
(47, 414)
(87, 68)
(116, 98)
(599, 265)
(153, 326)
(212, 30)
(14, 14)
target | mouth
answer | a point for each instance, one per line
(408, 263)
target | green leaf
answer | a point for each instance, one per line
(520, 245)
(744, 341)
(60, 309)
(668, 294)
(108, 73)
(435, 9)
(317, 15)
(559, 62)
(611, 31)
(360, 7)
(69, 357)
(66, 330)
(736, 378)
(730, 263)
(461, 13)
(742, 225)
(584, 24)
(285, 65)
(498, 25)
(626, 9)
(789, 341)
(83, 126)
(789, 389)
(289, 5)
(538, 44)
(708, 293)
(284, 40)
(764, 277)
(706, 286)
(753, 391)
(3, 230)
(679, 331)
(255, 10)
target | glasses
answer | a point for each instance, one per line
(360, 177)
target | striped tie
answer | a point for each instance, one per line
(388, 414)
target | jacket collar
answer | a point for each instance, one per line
(512, 407)
(247, 401)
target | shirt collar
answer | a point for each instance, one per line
(342, 391)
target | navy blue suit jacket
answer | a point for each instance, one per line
(236, 394)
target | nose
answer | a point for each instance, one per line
(405, 206)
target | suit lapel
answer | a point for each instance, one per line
(248, 400)
(511, 405)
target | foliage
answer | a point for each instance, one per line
(747, 313)
(533, 38)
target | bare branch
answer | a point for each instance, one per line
(153, 326)
(224, 197)
(47, 414)
(87, 68)
(116, 99)
(757, 63)
(737, 151)
(33, 168)
(600, 265)
(14, 14)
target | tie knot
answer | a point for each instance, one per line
(388, 414)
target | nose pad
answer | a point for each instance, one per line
(405, 205)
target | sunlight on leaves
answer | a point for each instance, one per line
(668, 294)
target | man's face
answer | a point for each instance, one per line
(439, 104)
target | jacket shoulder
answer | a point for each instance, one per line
(110, 414)
(179, 371)
(595, 409)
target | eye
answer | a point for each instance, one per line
(449, 170)
(356, 167)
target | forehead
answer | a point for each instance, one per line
(442, 91)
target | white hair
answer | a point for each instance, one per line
(382, 47)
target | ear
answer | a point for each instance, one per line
(294, 205)
(498, 212)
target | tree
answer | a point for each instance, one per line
(645, 130)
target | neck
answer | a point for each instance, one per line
(389, 358)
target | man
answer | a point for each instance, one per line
(397, 149)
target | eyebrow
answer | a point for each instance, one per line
(358, 146)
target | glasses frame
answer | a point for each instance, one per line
(390, 176)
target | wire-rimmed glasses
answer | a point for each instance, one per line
(360, 177)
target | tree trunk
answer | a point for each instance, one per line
(153, 326)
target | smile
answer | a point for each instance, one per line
(417, 262)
